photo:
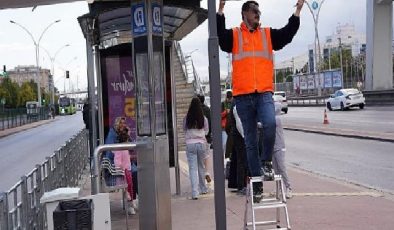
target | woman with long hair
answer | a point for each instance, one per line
(196, 127)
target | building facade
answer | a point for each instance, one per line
(22, 74)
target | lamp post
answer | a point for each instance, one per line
(37, 50)
(315, 6)
(340, 59)
(52, 59)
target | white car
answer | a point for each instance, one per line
(282, 100)
(345, 98)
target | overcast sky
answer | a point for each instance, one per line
(16, 47)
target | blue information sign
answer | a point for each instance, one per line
(157, 24)
(139, 19)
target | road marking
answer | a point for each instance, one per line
(341, 194)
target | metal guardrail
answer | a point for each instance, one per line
(11, 118)
(20, 206)
(308, 101)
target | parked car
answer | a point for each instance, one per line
(282, 101)
(345, 98)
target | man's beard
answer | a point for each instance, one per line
(255, 25)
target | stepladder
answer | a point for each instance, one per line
(274, 201)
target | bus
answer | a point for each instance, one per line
(67, 106)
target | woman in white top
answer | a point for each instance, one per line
(196, 127)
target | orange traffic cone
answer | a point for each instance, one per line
(325, 118)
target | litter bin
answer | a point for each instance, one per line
(73, 215)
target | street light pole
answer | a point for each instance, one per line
(316, 6)
(340, 59)
(37, 50)
(52, 59)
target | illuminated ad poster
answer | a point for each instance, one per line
(336, 79)
(319, 81)
(144, 124)
(121, 91)
(296, 82)
(159, 93)
(328, 79)
(311, 81)
(303, 82)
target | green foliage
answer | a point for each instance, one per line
(26, 93)
(10, 91)
(281, 75)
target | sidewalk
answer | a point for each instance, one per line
(7, 132)
(318, 203)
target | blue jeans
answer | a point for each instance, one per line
(252, 108)
(195, 158)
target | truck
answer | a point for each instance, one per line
(32, 109)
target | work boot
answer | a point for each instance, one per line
(257, 192)
(267, 171)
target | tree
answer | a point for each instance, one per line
(10, 91)
(26, 93)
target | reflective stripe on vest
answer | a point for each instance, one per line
(244, 54)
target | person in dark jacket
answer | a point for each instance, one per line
(85, 114)
(252, 61)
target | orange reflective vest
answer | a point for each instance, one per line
(252, 61)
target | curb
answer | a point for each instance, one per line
(340, 132)
(8, 132)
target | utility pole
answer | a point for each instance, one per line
(340, 59)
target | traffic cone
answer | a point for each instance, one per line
(325, 121)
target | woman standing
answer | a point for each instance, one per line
(196, 127)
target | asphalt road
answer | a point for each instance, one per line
(20, 152)
(360, 161)
(377, 119)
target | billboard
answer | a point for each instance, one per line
(336, 79)
(296, 82)
(303, 82)
(311, 81)
(120, 89)
(328, 79)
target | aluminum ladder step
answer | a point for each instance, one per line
(277, 202)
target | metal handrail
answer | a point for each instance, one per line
(97, 156)
(185, 67)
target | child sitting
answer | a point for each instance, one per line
(122, 160)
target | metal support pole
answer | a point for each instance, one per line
(92, 104)
(38, 76)
(174, 126)
(97, 76)
(214, 82)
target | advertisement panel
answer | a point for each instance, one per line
(311, 81)
(328, 79)
(296, 82)
(319, 80)
(303, 82)
(120, 91)
(337, 79)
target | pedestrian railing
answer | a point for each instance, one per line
(307, 101)
(189, 70)
(20, 206)
(11, 118)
